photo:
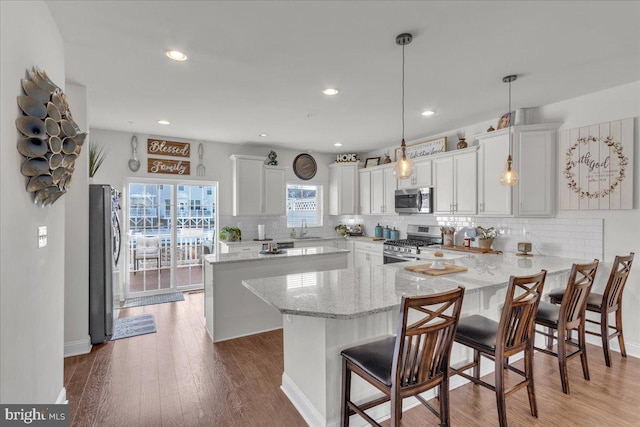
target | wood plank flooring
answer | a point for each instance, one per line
(178, 377)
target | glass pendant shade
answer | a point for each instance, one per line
(509, 177)
(404, 165)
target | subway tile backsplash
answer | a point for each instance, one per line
(572, 238)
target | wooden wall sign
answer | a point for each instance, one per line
(168, 166)
(168, 148)
(424, 149)
(597, 166)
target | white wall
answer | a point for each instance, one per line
(621, 228)
(31, 279)
(115, 168)
(76, 271)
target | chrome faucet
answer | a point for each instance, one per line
(303, 228)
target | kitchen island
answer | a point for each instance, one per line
(232, 311)
(328, 311)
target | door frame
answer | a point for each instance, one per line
(124, 283)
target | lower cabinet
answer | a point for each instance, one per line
(367, 254)
(235, 248)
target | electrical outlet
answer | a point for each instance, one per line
(42, 236)
(288, 317)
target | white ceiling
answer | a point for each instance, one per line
(261, 66)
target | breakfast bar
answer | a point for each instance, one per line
(328, 311)
(231, 311)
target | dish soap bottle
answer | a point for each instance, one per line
(293, 233)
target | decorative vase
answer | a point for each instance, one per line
(462, 144)
(485, 243)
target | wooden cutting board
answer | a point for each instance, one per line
(473, 250)
(426, 269)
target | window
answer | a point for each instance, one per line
(304, 202)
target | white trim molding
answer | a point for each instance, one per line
(62, 397)
(74, 348)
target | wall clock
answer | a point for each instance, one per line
(304, 166)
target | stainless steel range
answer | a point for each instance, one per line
(418, 236)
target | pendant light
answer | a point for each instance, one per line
(509, 177)
(404, 165)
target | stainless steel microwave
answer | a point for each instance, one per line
(414, 200)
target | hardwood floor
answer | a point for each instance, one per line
(178, 377)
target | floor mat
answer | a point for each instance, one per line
(127, 327)
(153, 299)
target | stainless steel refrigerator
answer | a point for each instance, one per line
(104, 251)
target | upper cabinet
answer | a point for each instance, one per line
(420, 178)
(494, 199)
(533, 158)
(455, 182)
(274, 190)
(343, 189)
(535, 154)
(257, 188)
(377, 190)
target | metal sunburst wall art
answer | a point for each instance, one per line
(50, 140)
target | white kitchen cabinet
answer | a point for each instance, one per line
(232, 248)
(534, 149)
(382, 188)
(274, 191)
(257, 188)
(343, 189)
(535, 155)
(365, 192)
(367, 254)
(455, 182)
(420, 178)
(494, 199)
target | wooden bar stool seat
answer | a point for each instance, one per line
(500, 340)
(608, 302)
(568, 316)
(410, 363)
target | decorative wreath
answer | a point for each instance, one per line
(569, 173)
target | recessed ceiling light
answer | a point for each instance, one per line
(337, 144)
(263, 135)
(176, 55)
(331, 91)
(164, 122)
(428, 113)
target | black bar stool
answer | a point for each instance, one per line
(412, 362)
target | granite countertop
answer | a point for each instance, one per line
(281, 240)
(257, 256)
(356, 292)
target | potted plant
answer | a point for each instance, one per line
(485, 237)
(341, 229)
(230, 234)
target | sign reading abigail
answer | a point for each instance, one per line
(597, 166)
(424, 149)
(173, 167)
(168, 148)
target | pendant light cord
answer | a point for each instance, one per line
(403, 92)
(510, 120)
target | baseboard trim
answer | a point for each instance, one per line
(74, 348)
(633, 349)
(244, 335)
(301, 403)
(62, 397)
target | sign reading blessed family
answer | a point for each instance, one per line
(424, 149)
(168, 148)
(597, 166)
(173, 167)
